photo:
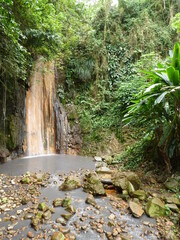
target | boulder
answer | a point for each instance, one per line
(173, 207)
(155, 208)
(134, 179)
(4, 153)
(173, 199)
(172, 184)
(120, 180)
(58, 236)
(128, 181)
(136, 209)
(93, 185)
(70, 183)
(140, 194)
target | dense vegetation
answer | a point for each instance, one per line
(106, 56)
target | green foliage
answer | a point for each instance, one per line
(157, 109)
(133, 156)
(176, 23)
(103, 66)
(29, 28)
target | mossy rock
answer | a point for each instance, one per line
(173, 207)
(108, 159)
(58, 202)
(25, 180)
(42, 207)
(71, 209)
(70, 183)
(155, 208)
(140, 194)
(67, 216)
(90, 200)
(47, 215)
(128, 181)
(93, 185)
(173, 199)
(134, 179)
(172, 184)
(58, 236)
(66, 202)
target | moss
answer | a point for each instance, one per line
(2, 139)
(13, 131)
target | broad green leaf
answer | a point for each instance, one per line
(173, 76)
(165, 78)
(160, 98)
(176, 57)
(152, 87)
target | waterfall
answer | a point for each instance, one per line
(46, 121)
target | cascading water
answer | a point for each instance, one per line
(46, 121)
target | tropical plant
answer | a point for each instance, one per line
(157, 108)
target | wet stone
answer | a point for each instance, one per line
(57, 202)
(71, 182)
(35, 222)
(62, 221)
(111, 223)
(98, 159)
(42, 207)
(28, 216)
(66, 202)
(64, 230)
(71, 209)
(70, 236)
(24, 201)
(47, 215)
(136, 209)
(112, 217)
(58, 236)
(90, 200)
(30, 235)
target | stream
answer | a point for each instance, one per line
(56, 166)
